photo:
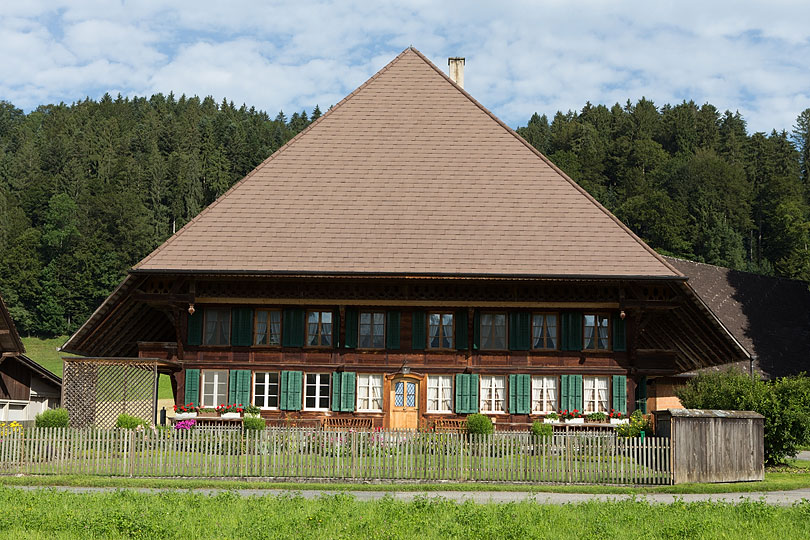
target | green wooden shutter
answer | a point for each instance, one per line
(575, 391)
(466, 393)
(232, 386)
(459, 405)
(419, 335)
(293, 329)
(290, 392)
(519, 393)
(477, 330)
(239, 386)
(565, 398)
(642, 394)
(619, 334)
(337, 380)
(347, 390)
(572, 331)
(461, 330)
(473, 378)
(192, 384)
(519, 331)
(350, 341)
(336, 328)
(620, 393)
(242, 327)
(392, 330)
(195, 327)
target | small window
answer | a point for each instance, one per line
(440, 331)
(439, 396)
(265, 390)
(597, 332)
(404, 394)
(214, 388)
(267, 327)
(217, 326)
(595, 394)
(316, 392)
(369, 392)
(319, 328)
(493, 331)
(372, 330)
(544, 331)
(492, 394)
(544, 394)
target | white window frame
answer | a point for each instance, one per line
(591, 402)
(266, 389)
(317, 386)
(216, 398)
(369, 381)
(540, 387)
(437, 383)
(488, 384)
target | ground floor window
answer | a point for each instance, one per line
(595, 394)
(265, 390)
(492, 394)
(369, 392)
(439, 393)
(214, 387)
(544, 394)
(316, 392)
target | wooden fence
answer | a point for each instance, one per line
(364, 455)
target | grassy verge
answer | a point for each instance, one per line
(125, 514)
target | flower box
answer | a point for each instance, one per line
(618, 421)
(551, 420)
(185, 415)
(230, 415)
(574, 420)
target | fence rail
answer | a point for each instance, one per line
(354, 455)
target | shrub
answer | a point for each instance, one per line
(52, 418)
(254, 423)
(785, 404)
(539, 429)
(635, 426)
(127, 421)
(479, 424)
(252, 409)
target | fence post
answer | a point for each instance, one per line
(354, 455)
(22, 451)
(568, 460)
(131, 435)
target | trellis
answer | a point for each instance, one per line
(96, 390)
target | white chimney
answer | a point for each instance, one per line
(457, 70)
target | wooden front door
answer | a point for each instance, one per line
(404, 402)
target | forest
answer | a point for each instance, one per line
(88, 189)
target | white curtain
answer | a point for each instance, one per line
(590, 394)
(602, 390)
(550, 384)
(445, 404)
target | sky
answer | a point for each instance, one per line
(521, 57)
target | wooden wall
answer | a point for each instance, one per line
(15, 380)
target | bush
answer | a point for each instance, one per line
(479, 424)
(785, 404)
(540, 429)
(53, 418)
(127, 421)
(254, 423)
(635, 426)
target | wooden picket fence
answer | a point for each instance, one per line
(344, 455)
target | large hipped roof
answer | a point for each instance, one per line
(408, 175)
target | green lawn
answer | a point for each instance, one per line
(127, 514)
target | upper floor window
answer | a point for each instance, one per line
(217, 326)
(267, 328)
(319, 329)
(596, 332)
(544, 331)
(372, 330)
(493, 331)
(440, 330)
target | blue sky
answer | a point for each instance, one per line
(522, 57)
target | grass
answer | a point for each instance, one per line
(45, 353)
(127, 514)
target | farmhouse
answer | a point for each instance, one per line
(26, 388)
(409, 259)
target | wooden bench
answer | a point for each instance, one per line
(450, 425)
(341, 424)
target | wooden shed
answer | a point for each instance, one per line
(714, 445)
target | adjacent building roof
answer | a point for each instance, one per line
(10, 342)
(768, 316)
(408, 175)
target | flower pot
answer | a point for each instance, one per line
(575, 421)
(618, 421)
(185, 415)
(551, 421)
(230, 415)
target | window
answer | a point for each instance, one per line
(316, 392)
(493, 331)
(319, 329)
(267, 329)
(544, 394)
(404, 394)
(215, 387)
(369, 392)
(440, 330)
(492, 394)
(439, 392)
(596, 394)
(217, 326)
(265, 390)
(544, 331)
(372, 330)
(596, 332)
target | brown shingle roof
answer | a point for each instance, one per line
(408, 175)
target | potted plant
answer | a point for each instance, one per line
(551, 418)
(617, 418)
(230, 411)
(572, 417)
(596, 418)
(184, 412)
(252, 411)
